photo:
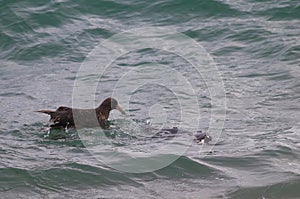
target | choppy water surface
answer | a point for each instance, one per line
(255, 45)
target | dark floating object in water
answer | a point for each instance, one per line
(166, 133)
(201, 137)
(63, 116)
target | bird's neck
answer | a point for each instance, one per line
(103, 112)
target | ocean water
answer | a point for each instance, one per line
(254, 49)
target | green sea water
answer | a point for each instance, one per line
(255, 46)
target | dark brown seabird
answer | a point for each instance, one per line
(64, 116)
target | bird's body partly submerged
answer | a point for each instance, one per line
(67, 117)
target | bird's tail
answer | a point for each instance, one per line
(49, 112)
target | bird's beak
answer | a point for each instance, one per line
(119, 108)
